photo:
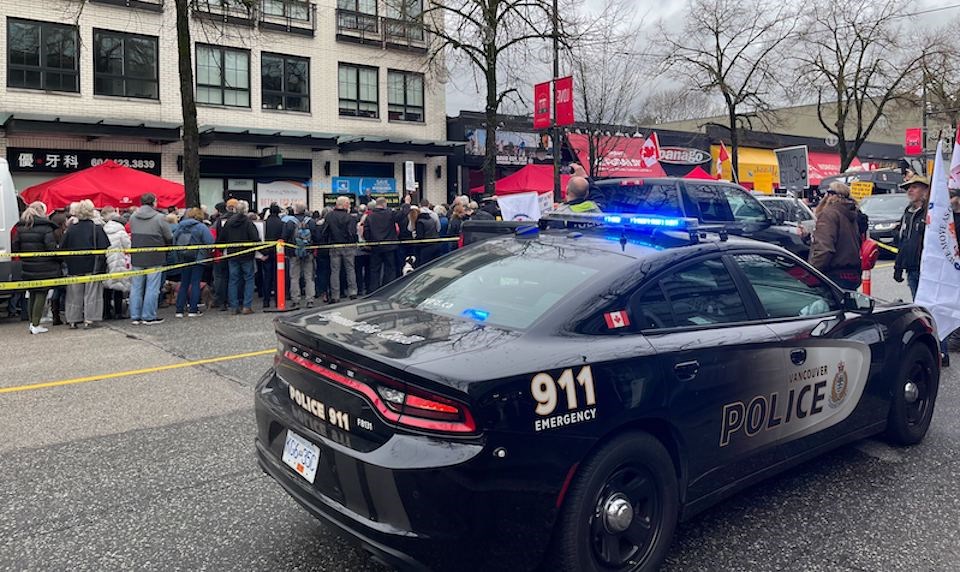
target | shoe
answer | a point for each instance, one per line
(90, 325)
(309, 303)
(153, 321)
(332, 301)
(38, 329)
(224, 308)
(354, 297)
(73, 326)
(944, 360)
(178, 315)
(135, 322)
(196, 314)
(246, 311)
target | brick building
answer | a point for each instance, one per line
(294, 99)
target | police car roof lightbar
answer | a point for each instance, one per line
(626, 220)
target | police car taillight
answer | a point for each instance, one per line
(400, 404)
(421, 409)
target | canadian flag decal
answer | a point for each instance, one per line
(617, 319)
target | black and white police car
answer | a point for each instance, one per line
(562, 398)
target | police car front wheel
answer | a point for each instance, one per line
(914, 396)
(621, 510)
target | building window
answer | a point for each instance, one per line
(404, 20)
(125, 65)
(42, 55)
(357, 15)
(405, 96)
(223, 76)
(285, 82)
(293, 9)
(359, 88)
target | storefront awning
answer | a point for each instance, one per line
(14, 123)
(271, 137)
(389, 146)
(751, 162)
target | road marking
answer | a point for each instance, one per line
(132, 372)
(884, 265)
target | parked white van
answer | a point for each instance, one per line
(9, 215)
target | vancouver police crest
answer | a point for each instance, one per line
(838, 389)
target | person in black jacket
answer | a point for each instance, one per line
(912, 227)
(273, 230)
(341, 228)
(239, 228)
(380, 225)
(85, 301)
(36, 233)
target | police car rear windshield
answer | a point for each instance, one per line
(507, 283)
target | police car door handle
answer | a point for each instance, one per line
(687, 370)
(798, 356)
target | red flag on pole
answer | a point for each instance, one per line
(721, 157)
(563, 92)
(541, 105)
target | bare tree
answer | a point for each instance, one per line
(857, 61)
(728, 47)
(674, 104)
(940, 70)
(607, 81)
(188, 105)
(492, 37)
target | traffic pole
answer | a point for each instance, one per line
(865, 282)
(281, 278)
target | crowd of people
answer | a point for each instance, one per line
(331, 254)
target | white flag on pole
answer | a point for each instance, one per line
(521, 206)
(939, 289)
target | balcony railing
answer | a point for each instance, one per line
(293, 16)
(364, 28)
(231, 11)
(289, 16)
(151, 5)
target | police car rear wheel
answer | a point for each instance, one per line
(914, 397)
(621, 510)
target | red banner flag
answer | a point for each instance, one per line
(563, 91)
(913, 145)
(541, 106)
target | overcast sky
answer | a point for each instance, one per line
(463, 92)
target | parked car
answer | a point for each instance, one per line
(559, 400)
(718, 204)
(884, 180)
(884, 213)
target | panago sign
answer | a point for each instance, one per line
(541, 105)
(684, 156)
(619, 156)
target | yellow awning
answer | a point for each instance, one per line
(752, 161)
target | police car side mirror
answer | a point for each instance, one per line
(854, 301)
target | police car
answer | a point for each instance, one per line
(562, 398)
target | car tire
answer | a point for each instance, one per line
(914, 397)
(596, 531)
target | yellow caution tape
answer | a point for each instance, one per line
(885, 247)
(137, 250)
(67, 280)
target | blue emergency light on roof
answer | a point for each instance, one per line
(627, 220)
(476, 314)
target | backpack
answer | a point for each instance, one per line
(303, 237)
(185, 237)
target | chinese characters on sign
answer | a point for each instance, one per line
(67, 161)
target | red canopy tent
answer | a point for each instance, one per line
(107, 184)
(537, 178)
(698, 173)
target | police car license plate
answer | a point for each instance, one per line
(301, 455)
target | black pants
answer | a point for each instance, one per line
(362, 269)
(221, 279)
(383, 267)
(112, 304)
(269, 278)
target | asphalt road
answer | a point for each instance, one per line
(156, 471)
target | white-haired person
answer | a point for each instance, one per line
(85, 301)
(340, 228)
(35, 233)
